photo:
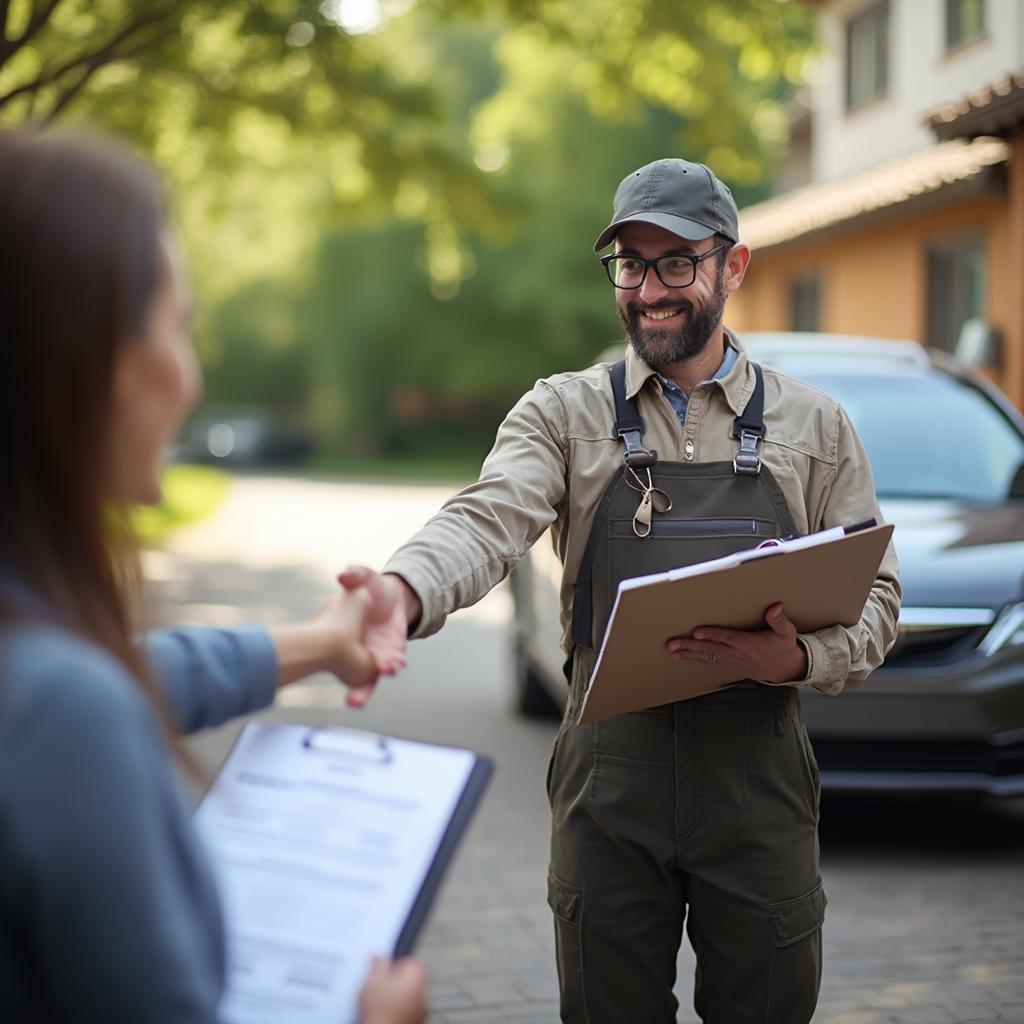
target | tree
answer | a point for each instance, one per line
(417, 201)
(261, 114)
(721, 66)
(414, 338)
(113, 59)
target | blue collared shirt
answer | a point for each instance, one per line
(674, 393)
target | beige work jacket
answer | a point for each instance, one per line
(554, 455)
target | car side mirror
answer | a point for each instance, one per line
(1017, 484)
(979, 345)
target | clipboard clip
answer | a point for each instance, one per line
(776, 542)
(348, 744)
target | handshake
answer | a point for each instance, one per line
(358, 635)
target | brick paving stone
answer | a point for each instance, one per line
(847, 1017)
(453, 1000)
(924, 1015)
(962, 994)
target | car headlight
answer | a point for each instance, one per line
(1006, 631)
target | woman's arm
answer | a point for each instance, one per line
(212, 675)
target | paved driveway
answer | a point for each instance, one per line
(926, 917)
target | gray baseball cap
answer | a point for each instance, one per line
(682, 197)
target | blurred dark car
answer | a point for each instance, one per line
(946, 710)
(243, 437)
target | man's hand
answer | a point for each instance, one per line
(334, 641)
(387, 624)
(769, 655)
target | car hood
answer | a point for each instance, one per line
(954, 554)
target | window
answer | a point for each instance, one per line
(965, 20)
(805, 303)
(926, 434)
(867, 56)
(956, 289)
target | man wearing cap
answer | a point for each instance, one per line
(705, 811)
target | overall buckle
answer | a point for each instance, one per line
(746, 461)
(636, 455)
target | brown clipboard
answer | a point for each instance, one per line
(823, 585)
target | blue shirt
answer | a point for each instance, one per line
(108, 908)
(674, 393)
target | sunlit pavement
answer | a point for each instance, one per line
(926, 915)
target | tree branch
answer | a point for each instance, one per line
(91, 62)
(71, 91)
(41, 13)
(68, 95)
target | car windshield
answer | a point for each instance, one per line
(927, 435)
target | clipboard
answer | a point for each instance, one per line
(823, 579)
(330, 846)
(472, 794)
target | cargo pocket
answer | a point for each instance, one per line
(796, 960)
(566, 903)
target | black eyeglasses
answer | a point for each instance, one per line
(674, 271)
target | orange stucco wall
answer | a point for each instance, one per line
(873, 279)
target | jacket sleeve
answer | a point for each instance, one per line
(212, 675)
(480, 533)
(838, 655)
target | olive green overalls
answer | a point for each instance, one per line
(704, 810)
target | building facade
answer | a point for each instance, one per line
(904, 210)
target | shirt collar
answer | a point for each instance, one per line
(736, 386)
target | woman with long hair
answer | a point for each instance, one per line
(108, 909)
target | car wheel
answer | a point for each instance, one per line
(532, 700)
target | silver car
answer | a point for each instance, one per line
(946, 710)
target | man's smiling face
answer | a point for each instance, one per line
(670, 325)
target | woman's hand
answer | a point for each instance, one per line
(347, 638)
(343, 622)
(395, 993)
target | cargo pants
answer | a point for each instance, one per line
(702, 812)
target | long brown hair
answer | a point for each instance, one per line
(80, 224)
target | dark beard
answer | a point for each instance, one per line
(663, 347)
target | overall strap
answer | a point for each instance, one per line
(629, 428)
(629, 424)
(748, 429)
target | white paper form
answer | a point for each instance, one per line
(320, 840)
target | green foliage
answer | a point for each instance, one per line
(265, 116)
(393, 229)
(719, 66)
(190, 494)
(250, 350)
(420, 348)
